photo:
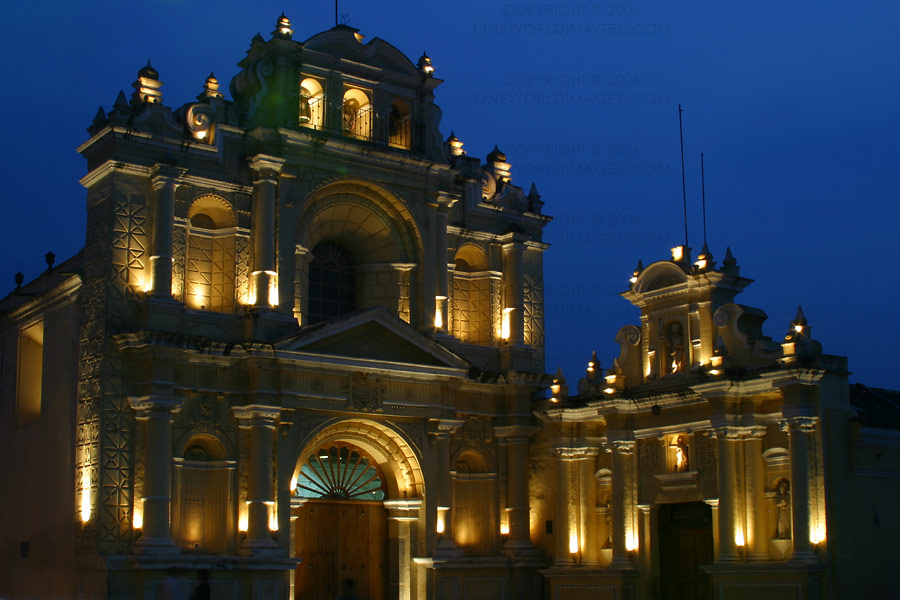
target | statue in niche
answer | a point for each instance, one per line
(675, 346)
(783, 510)
(305, 110)
(680, 449)
(608, 543)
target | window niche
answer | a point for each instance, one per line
(399, 125)
(356, 114)
(678, 459)
(312, 103)
(29, 374)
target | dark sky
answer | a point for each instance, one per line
(795, 106)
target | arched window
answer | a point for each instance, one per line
(399, 126)
(341, 472)
(332, 282)
(209, 268)
(312, 103)
(356, 114)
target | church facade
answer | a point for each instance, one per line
(302, 350)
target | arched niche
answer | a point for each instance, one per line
(474, 292)
(209, 263)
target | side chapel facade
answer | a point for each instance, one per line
(303, 344)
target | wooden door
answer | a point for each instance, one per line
(685, 543)
(338, 540)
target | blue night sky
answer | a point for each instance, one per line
(795, 108)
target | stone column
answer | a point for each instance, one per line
(442, 430)
(646, 544)
(164, 179)
(622, 451)
(401, 515)
(518, 514)
(726, 440)
(755, 469)
(714, 507)
(801, 428)
(157, 413)
(566, 503)
(587, 509)
(442, 283)
(262, 225)
(260, 420)
(302, 258)
(514, 290)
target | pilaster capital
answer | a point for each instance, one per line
(444, 428)
(575, 453)
(727, 432)
(405, 509)
(144, 406)
(620, 441)
(255, 415)
(621, 446)
(513, 243)
(265, 167)
(802, 424)
(515, 434)
(445, 200)
(165, 175)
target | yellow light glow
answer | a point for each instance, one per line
(554, 389)
(678, 253)
(200, 134)
(798, 328)
(739, 538)
(631, 542)
(633, 279)
(610, 390)
(715, 361)
(504, 529)
(504, 323)
(701, 264)
(273, 290)
(439, 527)
(273, 517)
(713, 371)
(573, 543)
(817, 534)
(85, 494)
(242, 521)
(294, 483)
(610, 379)
(439, 312)
(137, 520)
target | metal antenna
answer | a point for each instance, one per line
(703, 195)
(683, 188)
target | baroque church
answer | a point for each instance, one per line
(301, 354)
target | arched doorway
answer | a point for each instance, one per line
(341, 524)
(356, 493)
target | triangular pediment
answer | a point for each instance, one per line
(372, 334)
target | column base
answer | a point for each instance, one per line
(161, 546)
(447, 549)
(519, 548)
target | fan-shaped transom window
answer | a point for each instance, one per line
(340, 472)
(332, 282)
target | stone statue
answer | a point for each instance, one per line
(305, 110)
(609, 530)
(675, 341)
(681, 454)
(783, 510)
